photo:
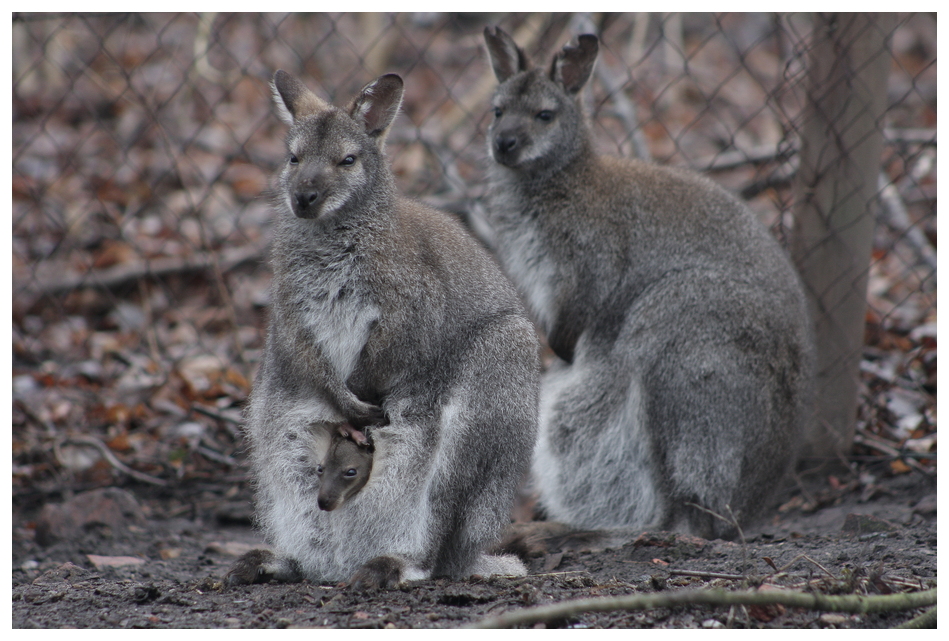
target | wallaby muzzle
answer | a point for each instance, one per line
(307, 198)
(507, 148)
(302, 201)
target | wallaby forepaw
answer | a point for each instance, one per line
(366, 414)
(255, 566)
(380, 572)
(261, 566)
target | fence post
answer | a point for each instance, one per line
(835, 198)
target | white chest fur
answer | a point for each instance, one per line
(527, 263)
(334, 311)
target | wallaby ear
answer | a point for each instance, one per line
(573, 65)
(377, 104)
(506, 57)
(293, 99)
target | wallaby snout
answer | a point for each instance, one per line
(307, 195)
(506, 147)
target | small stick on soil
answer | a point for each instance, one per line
(108, 456)
(925, 620)
(857, 604)
(806, 558)
(710, 575)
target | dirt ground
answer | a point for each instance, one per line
(159, 561)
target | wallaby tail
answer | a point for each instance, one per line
(538, 538)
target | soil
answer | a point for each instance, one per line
(159, 561)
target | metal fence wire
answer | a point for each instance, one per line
(143, 146)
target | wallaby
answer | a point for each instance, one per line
(683, 341)
(385, 313)
(345, 469)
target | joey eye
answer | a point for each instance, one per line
(351, 472)
(545, 116)
(347, 161)
(319, 470)
(497, 112)
(293, 159)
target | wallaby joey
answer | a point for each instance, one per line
(346, 468)
(680, 325)
(385, 313)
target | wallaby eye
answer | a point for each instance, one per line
(293, 159)
(497, 112)
(347, 161)
(319, 470)
(545, 116)
(351, 472)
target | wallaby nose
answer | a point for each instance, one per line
(327, 505)
(505, 143)
(306, 198)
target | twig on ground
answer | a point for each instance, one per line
(732, 520)
(925, 620)
(710, 575)
(856, 604)
(216, 456)
(126, 273)
(868, 440)
(799, 557)
(221, 416)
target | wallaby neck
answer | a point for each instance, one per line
(534, 180)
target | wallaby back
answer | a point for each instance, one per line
(685, 351)
(386, 315)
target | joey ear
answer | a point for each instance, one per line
(293, 99)
(572, 66)
(506, 57)
(377, 104)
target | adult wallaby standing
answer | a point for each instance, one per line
(385, 313)
(680, 325)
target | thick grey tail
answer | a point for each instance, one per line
(537, 538)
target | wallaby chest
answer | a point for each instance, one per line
(323, 290)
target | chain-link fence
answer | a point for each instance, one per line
(143, 146)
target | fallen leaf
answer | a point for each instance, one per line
(113, 561)
(232, 548)
(766, 613)
(833, 619)
(899, 467)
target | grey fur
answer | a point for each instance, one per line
(685, 350)
(388, 316)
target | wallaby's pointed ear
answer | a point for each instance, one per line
(293, 99)
(506, 57)
(573, 65)
(377, 105)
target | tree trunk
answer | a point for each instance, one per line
(835, 202)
